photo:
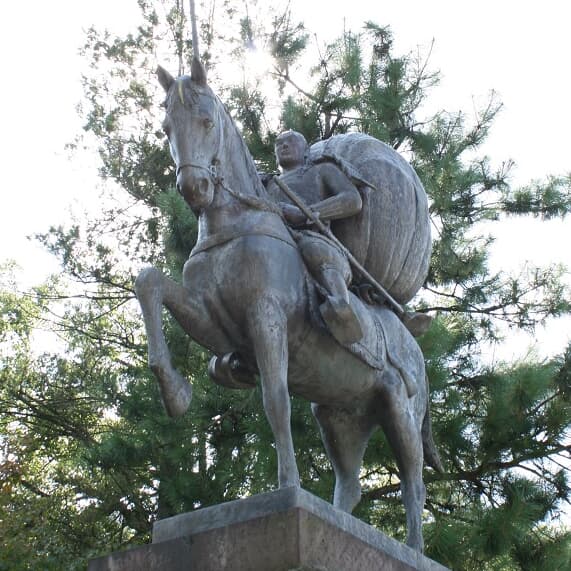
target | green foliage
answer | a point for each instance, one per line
(248, 107)
(88, 459)
(549, 199)
(287, 40)
(301, 116)
(180, 230)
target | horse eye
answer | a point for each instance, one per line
(208, 123)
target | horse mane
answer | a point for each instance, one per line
(258, 187)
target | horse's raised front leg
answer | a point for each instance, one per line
(268, 328)
(345, 435)
(154, 290)
(403, 431)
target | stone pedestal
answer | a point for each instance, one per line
(287, 530)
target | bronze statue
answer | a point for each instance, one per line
(248, 298)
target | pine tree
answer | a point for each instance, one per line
(92, 413)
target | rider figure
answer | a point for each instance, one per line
(331, 195)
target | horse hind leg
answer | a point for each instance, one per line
(403, 430)
(154, 289)
(345, 436)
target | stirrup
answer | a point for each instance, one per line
(228, 371)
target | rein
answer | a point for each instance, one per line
(253, 202)
(218, 181)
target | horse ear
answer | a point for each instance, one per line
(197, 72)
(165, 78)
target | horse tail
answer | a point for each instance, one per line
(431, 456)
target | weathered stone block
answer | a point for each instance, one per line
(287, 530)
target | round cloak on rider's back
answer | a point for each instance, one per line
(390, 237)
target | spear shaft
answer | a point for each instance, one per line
(195, 50)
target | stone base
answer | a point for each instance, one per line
(287, 530)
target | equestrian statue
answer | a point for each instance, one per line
(271, 287)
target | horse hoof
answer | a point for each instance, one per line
(287, 484)
(347, 496)
(416, 545)
(289, 478)
(176, 391)
(179, 403)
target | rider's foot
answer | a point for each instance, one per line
(417, 323)
(341, 320)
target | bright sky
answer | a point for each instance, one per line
(521, 49)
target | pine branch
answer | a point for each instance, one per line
(33, 488)
(473, 476)
(286, 77)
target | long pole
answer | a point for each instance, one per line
(195, 50)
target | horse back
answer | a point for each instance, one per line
(324, 371)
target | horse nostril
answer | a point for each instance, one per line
(203, 185)
(197, 192)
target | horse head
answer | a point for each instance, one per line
(192, 125)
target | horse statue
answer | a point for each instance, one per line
(246, 297)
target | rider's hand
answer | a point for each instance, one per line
(293, 215)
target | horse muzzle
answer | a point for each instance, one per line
(196, 188)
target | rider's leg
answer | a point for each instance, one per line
(334, 281)
(336, 311)
(332, 272)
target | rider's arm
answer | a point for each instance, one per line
(291, 213)
(343, 198)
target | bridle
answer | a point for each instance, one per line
(212, 170)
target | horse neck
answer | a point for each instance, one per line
(236, 163)
(241, 201)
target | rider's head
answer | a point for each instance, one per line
(291, 149)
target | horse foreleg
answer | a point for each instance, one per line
(403, 432)
(154, 290)
(269, 334)
(345, 436)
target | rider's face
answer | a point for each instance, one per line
(290, 151)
